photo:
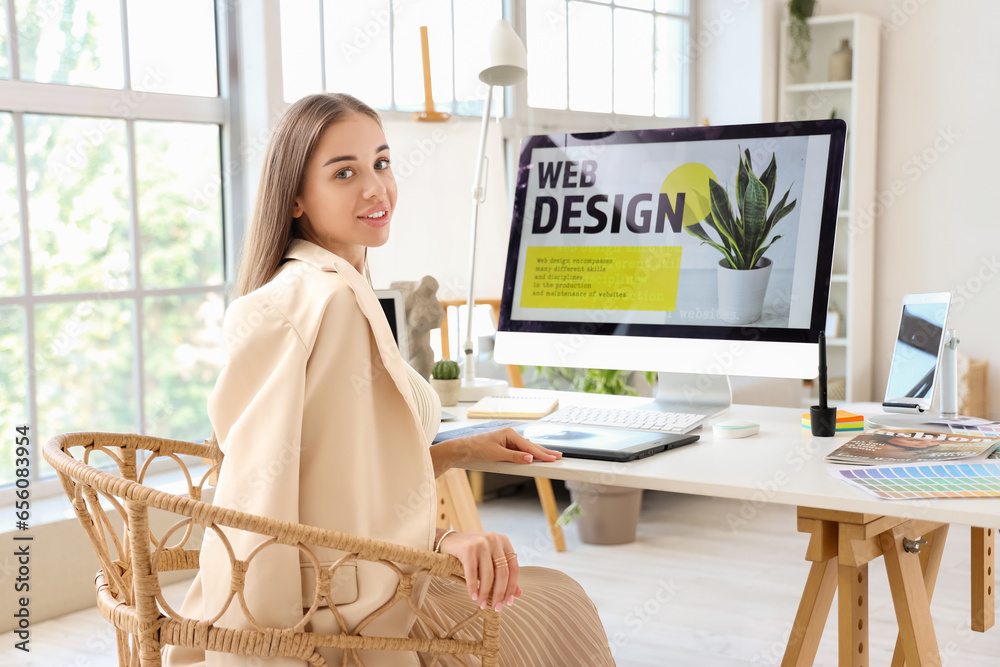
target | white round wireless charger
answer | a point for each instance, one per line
(735, 429)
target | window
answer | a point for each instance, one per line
(4, 40)
(371, 49)
(112, 271)
(627, 57)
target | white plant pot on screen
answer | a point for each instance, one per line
(741, 293)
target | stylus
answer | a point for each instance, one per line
(822, 370)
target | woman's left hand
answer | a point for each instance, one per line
(502, 445)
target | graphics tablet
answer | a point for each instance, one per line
(582, 442)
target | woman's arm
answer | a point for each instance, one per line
(502, 445)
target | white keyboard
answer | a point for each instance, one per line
(643, 420)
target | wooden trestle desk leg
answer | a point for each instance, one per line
(852, 614)
(909, 597)
(930, 565)
(456, 507)
(840, 548)
(817, 597)
(983, 579)
(548, 498)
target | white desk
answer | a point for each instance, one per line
(784, 464)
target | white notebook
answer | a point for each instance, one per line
(512, 407)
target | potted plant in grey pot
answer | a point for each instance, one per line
(604, 514)
(446, 381)
(743, 239)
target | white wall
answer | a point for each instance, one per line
(734, 46)
(938, 169)
(938, 144)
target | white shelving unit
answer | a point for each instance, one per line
(806, 94)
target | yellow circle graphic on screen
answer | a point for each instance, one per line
(692, 180)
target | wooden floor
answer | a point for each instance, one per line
(708, 583)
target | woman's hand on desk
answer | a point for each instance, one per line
(503, 445)
(490, 564)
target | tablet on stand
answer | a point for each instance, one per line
(923, 363)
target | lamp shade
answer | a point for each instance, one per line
(508, 60)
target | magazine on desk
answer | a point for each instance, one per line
(884, 446)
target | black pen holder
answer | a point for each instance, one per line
(823, 421)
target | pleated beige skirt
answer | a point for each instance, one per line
(552, 624)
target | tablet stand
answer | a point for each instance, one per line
(949, 376)
(948, 407)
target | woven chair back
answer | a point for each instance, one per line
(103, 475)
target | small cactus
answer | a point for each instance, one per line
(446, 369)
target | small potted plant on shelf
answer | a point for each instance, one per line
(744, 271)
(446, 380)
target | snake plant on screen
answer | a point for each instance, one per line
(742, 236)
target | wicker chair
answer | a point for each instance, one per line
(128, 584)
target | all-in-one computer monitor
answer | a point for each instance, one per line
(698, 252)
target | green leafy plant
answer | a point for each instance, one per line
(799, 37)
(446, 369)
(573, 511)
(742, 236)
(589, 380)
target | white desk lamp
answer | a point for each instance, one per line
(508, 65)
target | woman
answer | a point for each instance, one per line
(323, 423)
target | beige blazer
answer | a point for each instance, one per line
(318, 423)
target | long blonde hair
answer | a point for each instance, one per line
(292, 142)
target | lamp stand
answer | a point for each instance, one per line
(474, 388)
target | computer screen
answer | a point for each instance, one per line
(704, 250)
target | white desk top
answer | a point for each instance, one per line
(782, 464)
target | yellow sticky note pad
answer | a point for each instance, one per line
(608, 278)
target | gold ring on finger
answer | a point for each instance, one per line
(511, 555)
(500, 562)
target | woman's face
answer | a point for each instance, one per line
(912, 443)
(348, 193)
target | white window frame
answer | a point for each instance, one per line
(26, 97)
(536, 120)
(394, 112)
